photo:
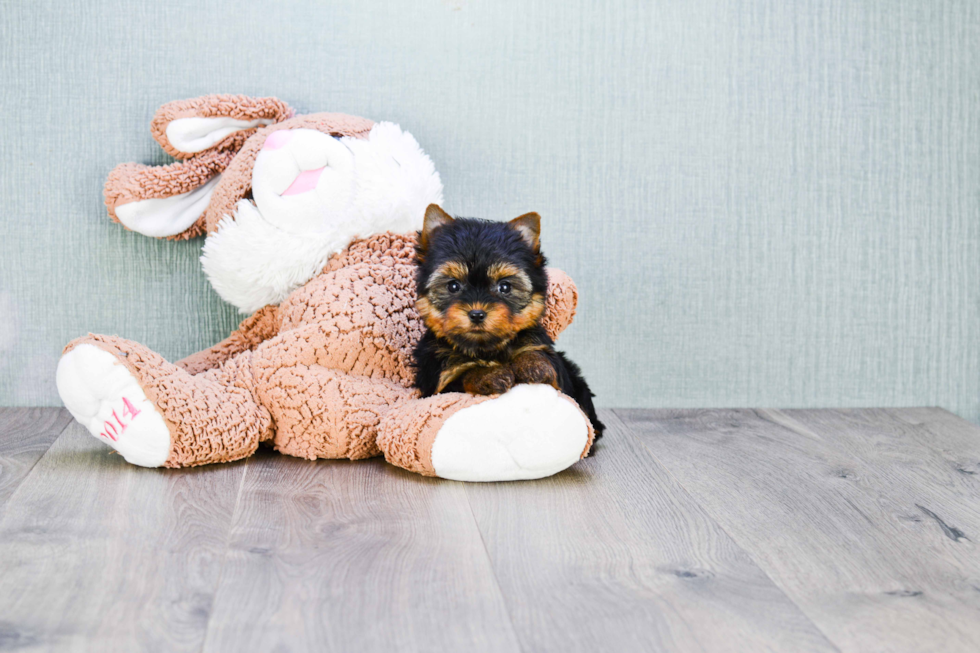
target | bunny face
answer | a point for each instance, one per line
(312, 195)
(303, 180)
(317, 182)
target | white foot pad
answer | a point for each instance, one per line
(105, 398)
(531, 431)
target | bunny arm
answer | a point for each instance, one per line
(531, 431)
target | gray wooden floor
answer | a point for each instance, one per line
(691, 530)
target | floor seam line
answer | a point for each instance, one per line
(724, 530)
(224, 558)
(493, 572)
(30, 471)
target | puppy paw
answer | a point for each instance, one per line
(489, 380)
(534, 367)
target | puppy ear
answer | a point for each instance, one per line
(435, 217)
(529, 226)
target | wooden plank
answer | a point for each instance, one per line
(97, 554)
(25, 434)
(613, 555)
(839, 536)
(954, 439)
(946, 431)
(925, 458)
(355, 556)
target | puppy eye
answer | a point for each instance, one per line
(453, 286)
(504, 287)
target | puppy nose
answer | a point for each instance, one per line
(477, 316)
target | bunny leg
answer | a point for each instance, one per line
(530, 431)
(253, 331)
(156, 414)
(325, 413)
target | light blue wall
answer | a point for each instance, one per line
(763, 203)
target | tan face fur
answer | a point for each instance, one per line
(468, 278)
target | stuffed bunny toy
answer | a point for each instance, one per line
(311, 224)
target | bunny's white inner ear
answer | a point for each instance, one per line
(167, 216)
(193, 135)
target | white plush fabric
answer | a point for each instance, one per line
(270, 247)
(319, 210)
(531, 431)
(193, 135)
(167, 216)
(105, 398)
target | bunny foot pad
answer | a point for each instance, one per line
(104, 397)
(529, 432)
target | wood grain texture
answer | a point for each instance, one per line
(100, 555)
(613, 555)
(928, 459)
(846, 518)
(703, 530)
(25, 434)
(355, 556)
(955, 441)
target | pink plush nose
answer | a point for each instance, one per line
(277, 139)
(304, 182)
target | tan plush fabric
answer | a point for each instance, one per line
(359, 318)
(326, 374)
(240, 107)
(407, 432)
(324, 413)
(254, 330)
(131, 182)
(591, 438)
(562, 302)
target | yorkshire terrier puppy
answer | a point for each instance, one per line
(482, 288)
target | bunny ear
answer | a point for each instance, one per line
(186, 128)
(165, 201)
